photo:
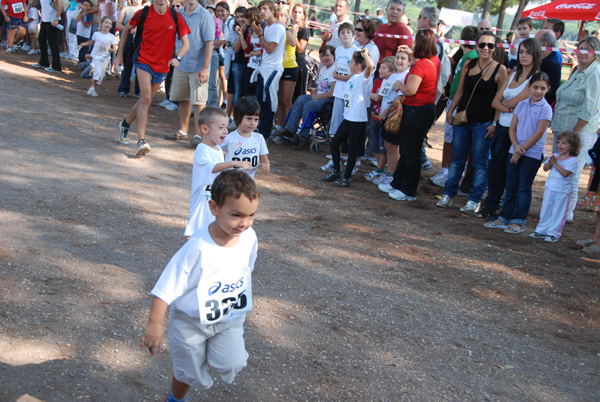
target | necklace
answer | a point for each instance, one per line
(483, 69)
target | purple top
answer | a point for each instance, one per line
(529, 117)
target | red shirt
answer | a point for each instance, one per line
(14, 5)
(429, 71)
(158, 38)
(388, 46)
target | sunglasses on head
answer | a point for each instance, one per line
(482, 45)
(282, 2)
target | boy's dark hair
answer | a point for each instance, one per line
(526, 20)
(233, 183)
(572, 138)
(267, 3)
(346, 25)
(323, 49)
(470, 33)
(208, 114)
(359, 59)
(247, 106)
(88, 1)
(558, 25)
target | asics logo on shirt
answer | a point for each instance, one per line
(244, 151)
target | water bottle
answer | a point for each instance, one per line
(60, 27)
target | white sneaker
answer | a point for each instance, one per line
(386, 188)
(328, 167)
(373, 175)
(171, 106)
(440, 179)
(445, 202)
(355, 169)
(426, 166)
(385, 178)
(470, 207)
(164, 103)
(92, 92)
(31, 52)
(400, 196)
(26, 47)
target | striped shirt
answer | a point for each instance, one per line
(578, 99)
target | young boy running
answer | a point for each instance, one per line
(208, 163)
(207, 283)
(104, 43)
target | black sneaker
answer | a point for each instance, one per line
(333, 176)
(124, 127)
(342, 182)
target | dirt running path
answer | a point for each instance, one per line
(357, 297)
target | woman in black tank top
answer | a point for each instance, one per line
(479, 82)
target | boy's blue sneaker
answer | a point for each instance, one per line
(124, 128)
(333, 176)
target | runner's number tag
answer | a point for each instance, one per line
(220, 296)
(348, 99)
(343, 70)
(18, 8)
(386, 88)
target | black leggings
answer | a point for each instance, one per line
(353, 132)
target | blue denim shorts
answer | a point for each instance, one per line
(157, 78)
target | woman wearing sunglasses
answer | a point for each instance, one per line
(478, 85)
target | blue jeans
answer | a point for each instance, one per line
(213, 94)
(265, 125)
(237, 75)
(519, 179)
(300, 110)
(465, 137)
(127, 67)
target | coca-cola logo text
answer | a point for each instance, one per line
(582, 6)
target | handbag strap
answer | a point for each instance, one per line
(475, 87)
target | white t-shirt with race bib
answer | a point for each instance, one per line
(356, 98)
(205, 159)
(208, 282)
(391, 95)
(343, 57)
(254, 61)
(239, 148)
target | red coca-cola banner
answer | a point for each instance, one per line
(567, 10)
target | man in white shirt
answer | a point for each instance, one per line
(330, 36)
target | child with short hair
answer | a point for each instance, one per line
(403, 61)
(356, 102)
(208, 285)
(84, 28)
(381, 86)
(343, 57)
(33, 25)
(524, 28)
(527, 133)
(208, 163)
(244, 144)
(104, 43)
(555, 204)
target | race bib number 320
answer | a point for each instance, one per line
(224, 298)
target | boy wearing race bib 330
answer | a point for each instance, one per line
(208, 285)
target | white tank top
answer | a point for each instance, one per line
(509, 93)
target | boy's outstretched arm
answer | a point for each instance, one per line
(153, 335)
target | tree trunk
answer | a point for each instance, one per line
(487, 8)
(522, 5)
(453, 5)
(501, 14)
(357, 9)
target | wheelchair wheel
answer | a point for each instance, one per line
(314, 147)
